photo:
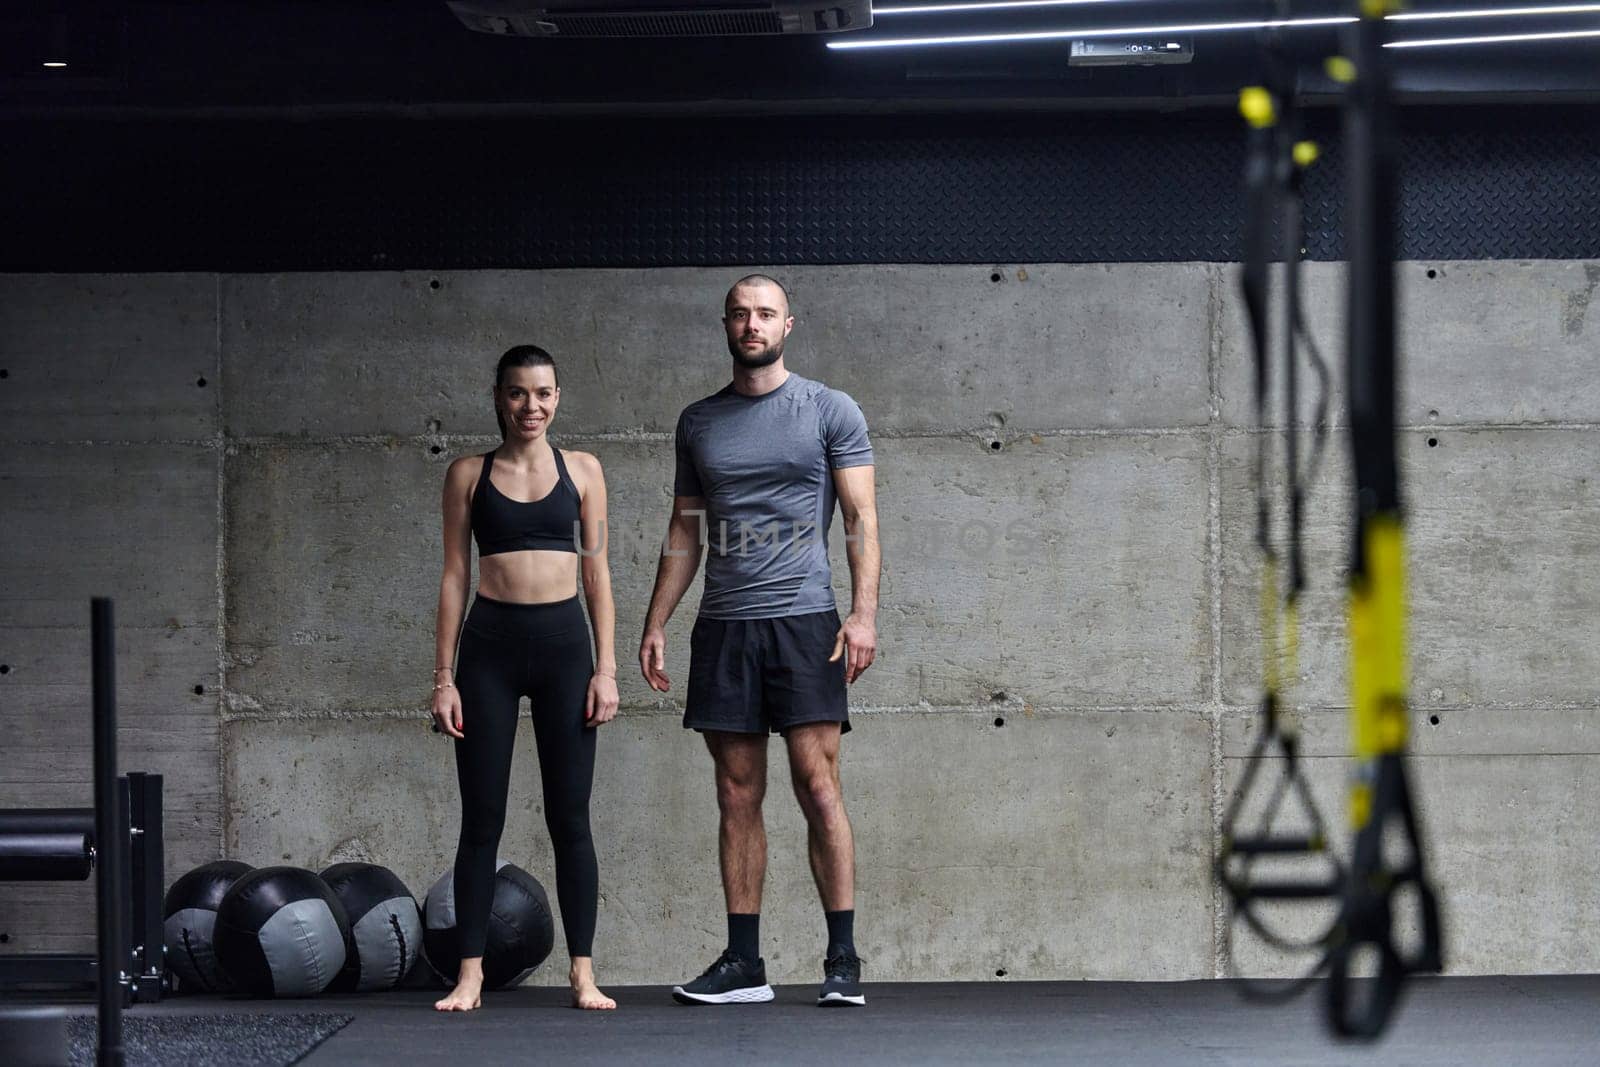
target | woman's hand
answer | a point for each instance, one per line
(447, 707)
(601, 705)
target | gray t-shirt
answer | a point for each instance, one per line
(764, 466)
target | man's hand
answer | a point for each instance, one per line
(653, 659)
(858, 644)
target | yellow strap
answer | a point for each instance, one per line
(1257, 107)
(1269, 625)
(1291, 643)
(1378, 642)
(1340, 69)
(1360, 801)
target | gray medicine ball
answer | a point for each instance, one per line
(385, 922)
(282, 933)
(189, 915)
(520, 934)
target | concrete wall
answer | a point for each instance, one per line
(1064, 693)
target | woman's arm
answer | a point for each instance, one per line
(457, 508)
(596, 568)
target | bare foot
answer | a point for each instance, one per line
(464, 997)
(589, 998)
(585, 994)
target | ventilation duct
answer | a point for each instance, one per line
(640, 18)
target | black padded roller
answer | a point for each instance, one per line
(46, 844)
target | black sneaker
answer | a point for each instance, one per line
(731, 980)
(841, 983)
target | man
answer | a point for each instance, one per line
(759, 467)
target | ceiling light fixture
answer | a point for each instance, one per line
(986, 5)
(1494, 12)
(1069, 35)
(1409, 16)
(1504, 38)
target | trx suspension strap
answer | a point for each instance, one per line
(1365, 966)
(1381, 814)
(1275, 166)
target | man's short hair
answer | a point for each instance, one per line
(759, 279)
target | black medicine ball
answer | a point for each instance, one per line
(282, 933)
(385, 922)
(190, 916)
(520, 934)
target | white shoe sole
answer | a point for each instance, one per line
(759, 994)
(837, 999)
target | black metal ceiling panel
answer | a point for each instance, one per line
(360, 195)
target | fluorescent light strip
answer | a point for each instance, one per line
(1509, 38)
(1495, 12)
(989, 5)
(1417, 16)
(1068, 35)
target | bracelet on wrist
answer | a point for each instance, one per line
(436, 670)
(444, 685)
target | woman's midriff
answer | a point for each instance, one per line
(531, 577)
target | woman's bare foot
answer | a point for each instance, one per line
(585, 994)
(467, 995)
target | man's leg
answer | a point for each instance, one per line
(741, 769)
(814, 769)
(738, 976)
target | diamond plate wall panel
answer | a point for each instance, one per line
(390, 194)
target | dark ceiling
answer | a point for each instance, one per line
(236, 58)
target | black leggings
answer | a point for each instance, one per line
(540, 651)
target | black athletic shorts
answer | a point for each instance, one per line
(749, 676)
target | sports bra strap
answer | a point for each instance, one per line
(562, 475)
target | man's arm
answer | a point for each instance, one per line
(680, 558)
(858, 503)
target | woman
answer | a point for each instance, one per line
(528, 505)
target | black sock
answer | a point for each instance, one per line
(841, 932)
(744, 935)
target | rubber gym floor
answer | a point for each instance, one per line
(1526, 1021)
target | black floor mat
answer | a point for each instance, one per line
(236, 1038)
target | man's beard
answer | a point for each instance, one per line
(766, 357)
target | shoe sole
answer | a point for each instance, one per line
(839, 1000)
(751, 995)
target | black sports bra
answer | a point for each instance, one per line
(500, 524)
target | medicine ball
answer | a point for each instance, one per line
(190, 915)
(282, 933)
(385, 922)
(521, 932)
